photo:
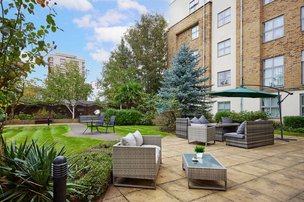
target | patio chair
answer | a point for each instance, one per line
(133, 163)
(110, 124)
(201, 134)
(98, 123)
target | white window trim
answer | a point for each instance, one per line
(218, 80)
(266, 3)
(193, 5)
(302, 18)
(301, 106)
(272, 70)
(225, 47)
(195, 33)
(225, 103)
(269, 107)
(225, 17)
(273, 29)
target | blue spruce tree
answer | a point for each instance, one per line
(183, 85)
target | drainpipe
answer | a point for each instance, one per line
(204, 34)
(241, 50)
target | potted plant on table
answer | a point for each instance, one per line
(199, 151)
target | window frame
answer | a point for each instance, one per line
(218, 26)
(225, 103)
(302, 18)
(272, 70)
(273, 29)
(271, 107)
(218, 81)
(196, 32)
(194, 7)
(225, 47)
(301, 106)
(302, 67)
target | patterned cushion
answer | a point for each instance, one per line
(241, 128)
(195, 120)
(226, 120)
(129, 140)
(203, 120)
(138, 137)
(235, 135)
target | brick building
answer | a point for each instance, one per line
(244, 42)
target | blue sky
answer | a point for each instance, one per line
(92, 28)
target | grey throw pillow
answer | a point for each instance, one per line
(226, 120)
(195, 120)
(241, 128)
(203, 120)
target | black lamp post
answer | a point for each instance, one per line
(59, 173)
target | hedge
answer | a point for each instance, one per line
(294, 121)
(242, 116)
(125, 116)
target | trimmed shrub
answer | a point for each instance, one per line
(242, 116)
(294, 121)
(295, 130)
(125, 116)
(92, 170)
(22, 116)
(61, 116)
(276, 124)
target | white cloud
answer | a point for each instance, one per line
(80, 5)
(110, 34)
(111, 17)
(90, 46)
(100, 55)
(85, 21)
(129, 4)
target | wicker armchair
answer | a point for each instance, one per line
(136, 162)
(257, 133)
(201, 134)
(182, 127)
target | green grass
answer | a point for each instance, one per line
(144, 130)
(278, 132)
(49, 134)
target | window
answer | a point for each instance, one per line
(224, 17)
(223, 48)
(302, 66)
(195, 31)
(274, 71)
(195, 54)
(302, 18)
(224, 78)
(271, 107)
(267, 1)
(223, 106)
(193, 5)
(301, 104)
(274, 29)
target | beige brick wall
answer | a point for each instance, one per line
(182, 33)
(255, 50)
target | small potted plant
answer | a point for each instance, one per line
(199, 151)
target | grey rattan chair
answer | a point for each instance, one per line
(201, 134)
(136, 162)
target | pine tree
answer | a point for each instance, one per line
(185, 83)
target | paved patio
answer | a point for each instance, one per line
(269, 173)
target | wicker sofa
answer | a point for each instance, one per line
(137, 162)
(201, 134)
(257, 133)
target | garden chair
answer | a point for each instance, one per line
(110, 124)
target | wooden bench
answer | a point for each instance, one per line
(44, 119)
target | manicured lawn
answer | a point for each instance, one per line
(278, 132)
(49, 134)
(144, 130)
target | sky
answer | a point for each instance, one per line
(93, 28)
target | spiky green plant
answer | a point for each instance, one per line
(25, 171)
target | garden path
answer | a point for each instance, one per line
(269, 173)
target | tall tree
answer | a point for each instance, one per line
(119, 70)
(185, 84)
(67, 86)
(148, 42)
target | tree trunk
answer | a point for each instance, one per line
(73, 111)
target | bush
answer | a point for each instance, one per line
(22, 116)
(24, 168)
(276, 124)
(166, 121)
(294, 121)
(295, 130)
(242, 116)
(92, 169)
(61, 116)
(125, 116)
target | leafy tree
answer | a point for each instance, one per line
(67, 87)
(184, 83)
(119, 70)
(148, 43)
(130, 95)
(33, 92)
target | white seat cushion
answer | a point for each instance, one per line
(138, 137)
(157, 150)
(129, 140)
(199, 125)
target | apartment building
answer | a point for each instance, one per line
(59, 59)
(245, 42)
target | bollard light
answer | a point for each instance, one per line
(59, 173)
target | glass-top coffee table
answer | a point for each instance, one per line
(207, 168)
